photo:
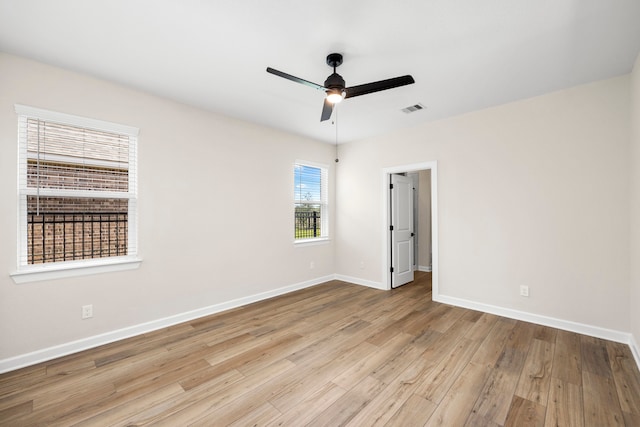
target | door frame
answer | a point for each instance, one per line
(386, 235)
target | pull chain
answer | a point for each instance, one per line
(335, 122)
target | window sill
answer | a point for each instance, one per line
(73, 269)
(312, 242)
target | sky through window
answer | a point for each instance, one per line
(307, 186)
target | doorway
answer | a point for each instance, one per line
(432, 225)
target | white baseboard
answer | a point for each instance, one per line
(567, 325)
(425, 268)
(635, 350)
(54, 352)
(358, 281)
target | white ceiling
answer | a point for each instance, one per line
(464, 54)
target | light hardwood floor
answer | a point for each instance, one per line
(336, 354)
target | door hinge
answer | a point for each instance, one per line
(392, 269)
(391, 228)
(413, 234)
(390, 186)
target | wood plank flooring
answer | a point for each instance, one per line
(331, 355)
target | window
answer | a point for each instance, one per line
(311, 217)
(77, 191)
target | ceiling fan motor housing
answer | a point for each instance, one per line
(335, 81)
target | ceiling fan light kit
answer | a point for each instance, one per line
(335, 86)
(334, 96)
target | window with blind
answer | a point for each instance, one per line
(77, 189)
(311, 216)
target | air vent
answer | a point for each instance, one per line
(414, 108)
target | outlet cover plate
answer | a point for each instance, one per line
(87, 311)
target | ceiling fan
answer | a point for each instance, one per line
(335, 88)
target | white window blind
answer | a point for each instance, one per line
(77, 187)
(310, 201)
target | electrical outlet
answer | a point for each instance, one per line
(87, 311)
(524, 291)
(312, 265)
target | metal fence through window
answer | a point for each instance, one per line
(307, 224)
(66, 236)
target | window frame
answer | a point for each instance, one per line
(323, 202)
(59, 269)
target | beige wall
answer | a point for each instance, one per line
(531, 193)
(635, 204)
(424, 220)
(215, 212)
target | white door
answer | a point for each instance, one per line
(401, 229)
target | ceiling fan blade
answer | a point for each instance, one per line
(378, 86)
(295, 79)
(327, 109)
